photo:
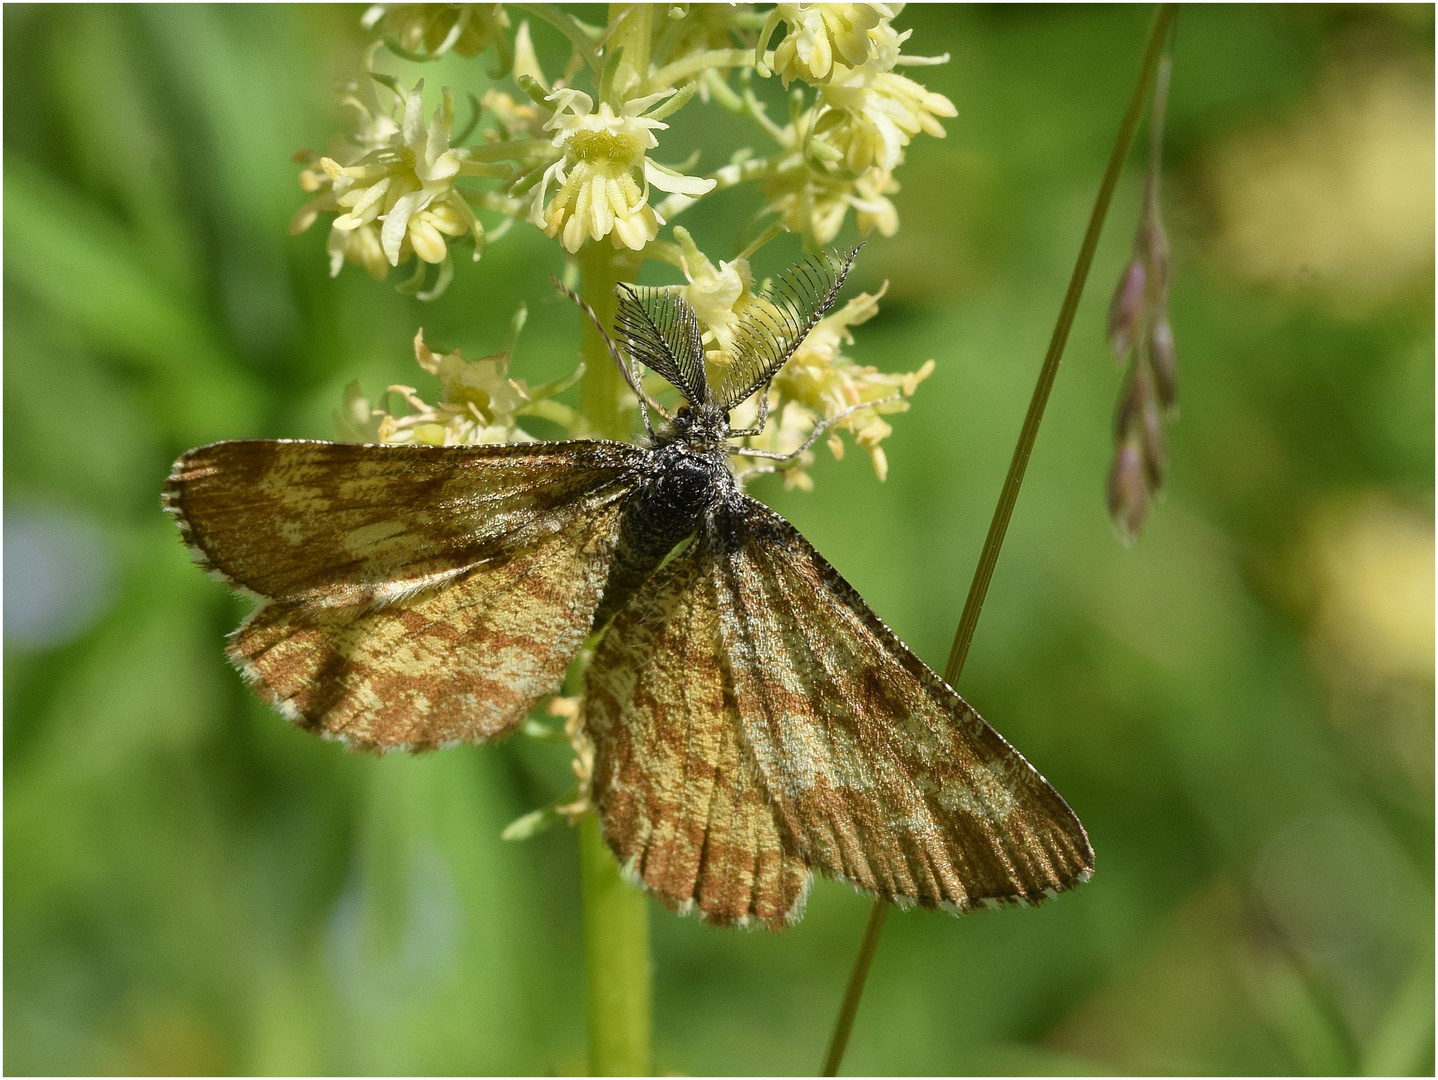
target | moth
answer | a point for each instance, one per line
(753, 720)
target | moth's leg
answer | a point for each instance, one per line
(643, 405)
(819, 429)
(760, 420)
(755, 470)
(646, 402)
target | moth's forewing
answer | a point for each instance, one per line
(343, 523)
(413, 596)
(879, 772)
(681, 803)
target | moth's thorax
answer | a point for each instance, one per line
(683, 480)
(679, 484)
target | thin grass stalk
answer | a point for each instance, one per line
(1008, 496)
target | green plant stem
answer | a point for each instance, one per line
(633, 31)
(616, 949)
(602, 390)
(1028, 434)
(616, 915)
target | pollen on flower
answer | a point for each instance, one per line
(604, 175)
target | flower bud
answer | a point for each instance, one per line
(1127, 491)
(1124, 308)
(1165, 363)
(1155, 452)
(1137, 391)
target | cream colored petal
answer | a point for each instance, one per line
(574, 234)
(536, 209)
(642, 105)
(668, 180)
(335, 248)
(427, 241)
(413, 123)
(595, 204)
(396, 223)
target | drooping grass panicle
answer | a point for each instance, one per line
(1141, 337)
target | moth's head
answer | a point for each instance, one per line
(701, 424)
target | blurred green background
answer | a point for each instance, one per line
(1240, 708)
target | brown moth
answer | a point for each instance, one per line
(753, 720)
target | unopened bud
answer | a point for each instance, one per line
(1124, 308)
(1155, 452)
(1137, 392)
(1165, 363)
(1127, 491)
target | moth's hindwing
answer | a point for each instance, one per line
(752, 719)
(681, 801)
(411, 596)
(879, 772)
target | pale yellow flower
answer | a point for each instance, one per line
(605, 173)
(871, 116)
(704, 27)
(870, 200)
(479, 403)
(399, 198)
(435, 29)
(819, 381)
(517, 117)
(409, 186)
(360, 246)
(814, 204)
(719, 295)
(789, 425)
(823, 38)
(373, 129)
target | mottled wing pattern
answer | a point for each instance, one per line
(413, 597)
(344, 523)
(880, 773)
(681, 801)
